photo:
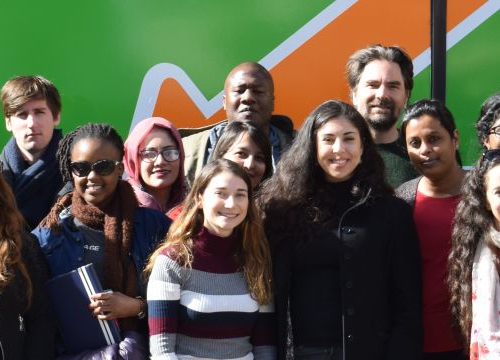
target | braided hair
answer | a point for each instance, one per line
(94, 131)
(490, 112)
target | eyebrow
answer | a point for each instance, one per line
(225, 188)
(162, 148)
(346, 133)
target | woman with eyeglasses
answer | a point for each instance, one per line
(100, 222)
(474, 262)
(431, 139)
(488, 123)
(154, 163)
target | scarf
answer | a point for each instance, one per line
(485, 331)
(116, 221)
(35, 187)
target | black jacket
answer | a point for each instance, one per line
(27, 334)
(380, 281)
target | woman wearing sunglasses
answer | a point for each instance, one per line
(154, 163)
(100, 222)
(432, 143)
(474, 262)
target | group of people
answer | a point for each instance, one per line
(347, 239)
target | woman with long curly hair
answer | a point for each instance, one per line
(474, 262)
(345, 254)
(209, 289)
(27, 330)
(100, 222)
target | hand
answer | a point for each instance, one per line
(114, 305)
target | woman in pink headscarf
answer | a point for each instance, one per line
(154, 162)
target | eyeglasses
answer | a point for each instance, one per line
(150, 155)
(491, 154)
(100, 167)
(495, 130)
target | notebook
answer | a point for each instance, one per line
(70, 297)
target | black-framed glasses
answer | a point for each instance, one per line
(491, 154)
(495, 130)
(168, 154)
(100, 167)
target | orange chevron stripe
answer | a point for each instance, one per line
(315, 72)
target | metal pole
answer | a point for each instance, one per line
(438, 49)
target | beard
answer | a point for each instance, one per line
(382, 121)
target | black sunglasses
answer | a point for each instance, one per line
(491, 154)
(168, 154)
(100, 167)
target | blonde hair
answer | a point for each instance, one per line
(253, 251)
(11, 240)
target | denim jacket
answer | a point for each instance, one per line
(64, 250)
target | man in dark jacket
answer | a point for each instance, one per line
(248, 95)
(32, 108)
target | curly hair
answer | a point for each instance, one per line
(11, 240)
(296, 189)
(490, 112)
(253, 252)
(471, 223)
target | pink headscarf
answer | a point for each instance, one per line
(132, 161)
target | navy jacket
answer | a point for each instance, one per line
(64, 250)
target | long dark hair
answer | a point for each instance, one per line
(299, 180)
(472, 222)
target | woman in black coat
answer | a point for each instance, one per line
(27, 329)
(346, 258)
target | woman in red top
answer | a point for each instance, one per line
(432, 144)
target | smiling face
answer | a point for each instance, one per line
(224, 203)
(160, 175)
(430, 147)
(249, 156)
(380, 95)
(32, 125)
(249, 95)
(95, 189)
(492, 183)
(338, 149)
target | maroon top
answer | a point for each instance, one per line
(433, 219)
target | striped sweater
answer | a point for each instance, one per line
(206, 312)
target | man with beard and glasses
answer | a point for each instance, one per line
(248, 95)
(380, 80)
